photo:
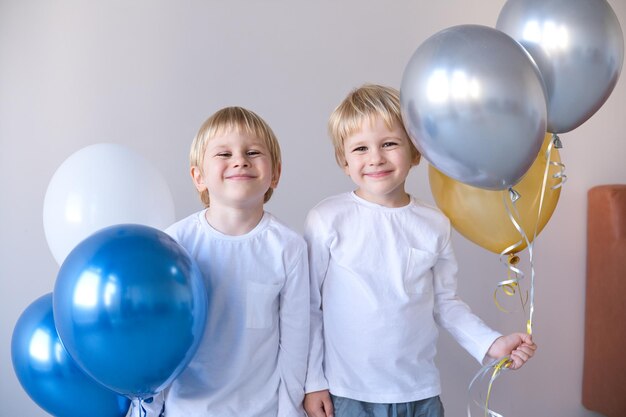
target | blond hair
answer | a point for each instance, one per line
(362, 105)
(240, 120)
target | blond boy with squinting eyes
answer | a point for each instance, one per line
(252, 358)
(383, 277)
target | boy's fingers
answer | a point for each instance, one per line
(318, 405)
(517, 361)
(532, 347)
(527, 350)
(528, 341)
(522, 356)
(319, 412)
(328, 407)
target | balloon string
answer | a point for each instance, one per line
(556, 142)
(513, 213)
(514, 274)
(498, 366)
(137, 403)
(510, 285)
(544, 182)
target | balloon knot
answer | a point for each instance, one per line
(514, 195)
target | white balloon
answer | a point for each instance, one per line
(99, 186)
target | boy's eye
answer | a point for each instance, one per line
(253, 153)
(224, 154)
(389, 144)
(360, 149)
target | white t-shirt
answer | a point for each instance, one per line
(252, 358)
(382, 279)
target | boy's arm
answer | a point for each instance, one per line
(468, 329)
(294, 337)
(319, 256)
(452, 313)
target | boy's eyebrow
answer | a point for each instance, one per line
(353, 142)
(399, 137)
(361, 141)
(230, 145)
(216, 148)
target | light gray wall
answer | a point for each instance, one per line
(147, 73)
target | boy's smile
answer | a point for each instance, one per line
(378, 160)
(240, 176)
(378, 174)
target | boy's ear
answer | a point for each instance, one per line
(196, 176)
(345, 167)
(416, 159)
(276, 176)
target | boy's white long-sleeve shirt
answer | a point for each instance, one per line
(252, 358)
(382, 279)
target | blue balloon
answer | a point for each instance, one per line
(49, 375)
(130, 306)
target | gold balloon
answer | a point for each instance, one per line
(480, 214)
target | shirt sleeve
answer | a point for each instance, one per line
(319, 256)
(294, 337)
(452, 313)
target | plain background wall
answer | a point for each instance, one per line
(146, 74)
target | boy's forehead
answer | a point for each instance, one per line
(376, 127)
(234, 136)
(365, 121)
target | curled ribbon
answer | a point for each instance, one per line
(515, 274)
(513, 215)
(510, 286)
(498, 367)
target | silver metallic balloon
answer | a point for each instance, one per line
(474, 104)
(579, 48)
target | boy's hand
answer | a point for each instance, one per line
(318, 404)
(519, 346)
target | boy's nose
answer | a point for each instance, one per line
(241, 161)
(376, 157)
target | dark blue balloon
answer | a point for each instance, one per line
(50, 376)
(130, 306)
